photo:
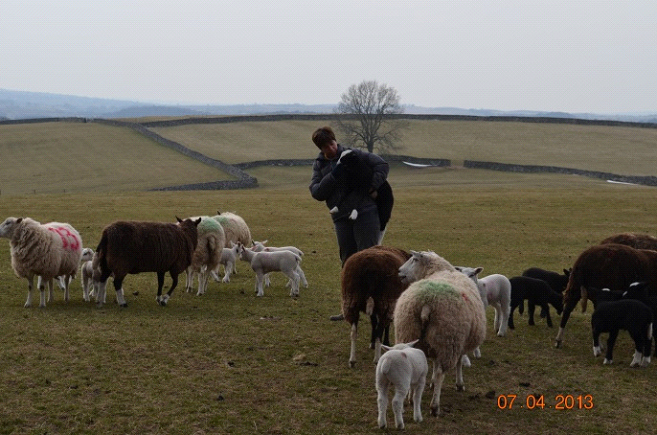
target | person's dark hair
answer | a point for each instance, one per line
(322, 136)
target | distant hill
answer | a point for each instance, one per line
(16, 105)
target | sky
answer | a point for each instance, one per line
(597, 56)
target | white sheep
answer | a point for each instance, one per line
(228, 259)
(495, 290)
(278, 261)
(442, 308)
(86, 274)
(206, 257)
(47, 251)
(260, 247)
(406, 368)
(236, 230)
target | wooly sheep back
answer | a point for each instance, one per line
(137, 246)
(635, 240)
(609, 265)
(207, 255)
(444, 311)
(371, 285)
(406, 369)
(235, 228)
(48, 250)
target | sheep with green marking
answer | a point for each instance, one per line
(442, 309)
(207, 255)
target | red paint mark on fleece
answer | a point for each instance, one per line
(69, 240)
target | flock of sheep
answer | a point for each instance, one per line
(437, 309)
(197, 246)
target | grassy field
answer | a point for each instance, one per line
(229, 362)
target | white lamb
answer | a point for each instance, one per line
(236, 230)
(260, 247)
(278, 261)
(48, 251)
(86, 274)
(495, 290)
(406, 368)
(442, 308)
(228, 259)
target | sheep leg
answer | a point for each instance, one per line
(567, 309)
(189, 279)
(611, 340)
(547, 315)
(510, 321)
(382, 385)
(302, 275)
(373, 322)
(203, 278)
(504, 319)
(460, 385)
(596, 342)
(160, 283)
(30, 286)
(260, 278)
(416, 391)
(118, 287)
(378, 333)
(294, 279)
(353, 336)
(86, 281)
(67, 283)
(437, 378)
(398, 404)
(42, 292)
(530, 309)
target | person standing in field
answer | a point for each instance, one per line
(330, 184)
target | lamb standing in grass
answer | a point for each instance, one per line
(48, 251)
(260, 247)
(211, 241)
(235, 230)
(86, 273)
(406, 368)
(442, 308)
(228, 259)
(277, 261)
(495, 290)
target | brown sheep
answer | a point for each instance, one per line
(370, 284)
(610, 265)
(635, 240)
(134, 247)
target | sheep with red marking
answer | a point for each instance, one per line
(137, 246)
(47, 251)
(370, 284)
(443, 309)
(608, 265)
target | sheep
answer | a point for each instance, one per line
(236, 230)
(555, 280)
(370, 284)
(406, 368)
(211, 241)
(228, 259)
(136, 246)
(628, 314)
(635, 240)
(277, 261)
(536, 292)
(495, 290)
(609, 265)
(260, 247)
(47, 251)
(86, 273)
(359, 178)
(442, 308)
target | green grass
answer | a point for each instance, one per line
(229, 362)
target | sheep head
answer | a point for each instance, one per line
(421, 265)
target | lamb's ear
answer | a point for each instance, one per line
(413, 343)
(478, 270)
(386, 348)
(19, 220)
(197, 221)
(178, 219)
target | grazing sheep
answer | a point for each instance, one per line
(211, 241)
(278, 261)
(406, 368)
(370, 284)
(555, 280)
(260, 247)
(134, 247)
(48, 250)
(635, 240)
(631, 315)
(537, 293)
(442, 308)
(610, 265)
(495, 290)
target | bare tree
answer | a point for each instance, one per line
(366, 117)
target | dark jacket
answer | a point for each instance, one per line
(325, 187)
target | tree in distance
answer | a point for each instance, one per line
(367, 117)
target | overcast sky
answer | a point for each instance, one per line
(555, 55)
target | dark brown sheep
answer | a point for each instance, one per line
(370, 284)
(611, 265)
(635, 240)
(134, 247)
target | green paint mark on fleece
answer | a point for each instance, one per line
(208, 225)
(429, 291)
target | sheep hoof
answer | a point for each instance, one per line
(460, 388)
(557, 344)
(434, 411)
(352, 364)
(124, 305)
